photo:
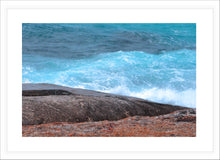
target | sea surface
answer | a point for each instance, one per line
(156, 62)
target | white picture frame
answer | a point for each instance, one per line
(204, 13)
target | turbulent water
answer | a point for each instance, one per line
(151, 61)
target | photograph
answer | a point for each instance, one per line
(109, 79)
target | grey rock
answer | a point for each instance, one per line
(47, 103)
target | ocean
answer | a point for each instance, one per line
(156, 62)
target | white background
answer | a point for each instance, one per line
(202, 13)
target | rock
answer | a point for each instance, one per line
(187, 115)
(47, 103)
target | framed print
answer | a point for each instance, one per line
(109, 79)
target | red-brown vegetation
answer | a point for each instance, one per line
(176, 124)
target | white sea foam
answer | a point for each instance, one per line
(185, 98)
(166, 78)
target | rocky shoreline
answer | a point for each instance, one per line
(52, 110)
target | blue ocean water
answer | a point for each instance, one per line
(151, 61)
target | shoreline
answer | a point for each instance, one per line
(45, 89)
(50, 106)
(45, 103)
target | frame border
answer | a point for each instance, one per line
(91, 152)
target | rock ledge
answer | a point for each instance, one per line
(48, 103)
